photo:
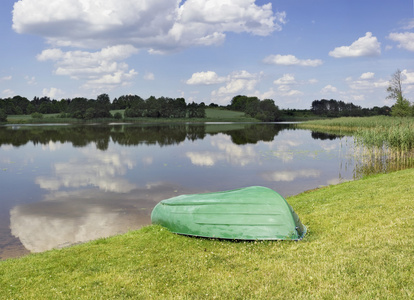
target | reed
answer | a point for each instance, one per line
(379, 131)
(376, 160)
(350, 123)
(398, 136)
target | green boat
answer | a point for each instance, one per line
(252, 213)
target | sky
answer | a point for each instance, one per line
(291, 51)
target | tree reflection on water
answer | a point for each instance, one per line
(129, 135)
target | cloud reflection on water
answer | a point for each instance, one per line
(204, 158)
(93, 193)
(224, 150)
(290, 175)
(91, 168)
(67, 218)
(89, 197)
(52, 146)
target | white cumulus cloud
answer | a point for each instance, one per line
(329, 89)
(149, 76)
(238, 82)
(235, 86)
(408, 77)
(287, 91)
(30, 80)
(205, 78)
(100, 70)
(368, 82)
(161, 25)
(52, 92)
(288, 60)
(367, 45)
(8, 93)
(121, 28)
(367, 75)
(285, 86)
(285, 79)
(405, 40)
(5, 78)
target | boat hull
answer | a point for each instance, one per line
(252, 213)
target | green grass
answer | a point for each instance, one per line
(354, 123)
(224, 114)
(360, 245)
(47, 118)
(349, 123)
(212, 115)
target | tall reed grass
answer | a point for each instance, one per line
(383, 144)
(397, 135)
(375, 160)
(392, 132)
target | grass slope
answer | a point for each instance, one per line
(360, 244)
(212, 115)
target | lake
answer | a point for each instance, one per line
(66, 184)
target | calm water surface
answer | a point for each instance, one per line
(62, 185)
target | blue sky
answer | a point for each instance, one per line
(291, 51)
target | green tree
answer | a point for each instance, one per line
(196, 110)
(63, 105)
(45, 107)
(269, 112)
(30, 109)
(402, 107)
(118, 115)
(102, 107)
(3, 116)
(252, 107)
(395, 86)
(18, 110)
(239, 103)
(179, 108)
(90, 113)
(201, 110)
(77, 108)
(153, 107)
(126, 101)
(20, 104)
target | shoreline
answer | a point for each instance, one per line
(304, 193)
(357, 246)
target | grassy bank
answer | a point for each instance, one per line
(212, 115)
(360, 244)
(350, 124)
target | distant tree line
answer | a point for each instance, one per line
(83, 108)
(335, 108)
(136, 107)
(264, 110)
(162, 107)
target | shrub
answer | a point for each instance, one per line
(37, 115)
(3, 116)
(64, 115)
(90, 113)
(118, 116)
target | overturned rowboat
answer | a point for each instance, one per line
(252, 213)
